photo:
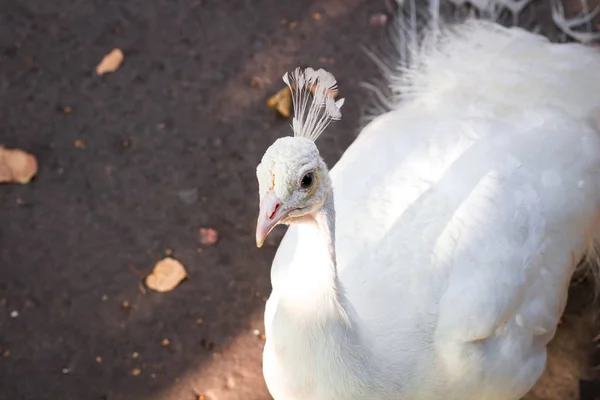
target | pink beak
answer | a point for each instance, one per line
(268, 217)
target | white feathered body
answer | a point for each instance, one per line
(460, 216)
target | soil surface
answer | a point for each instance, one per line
(134, 163)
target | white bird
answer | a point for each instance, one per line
(433, 260)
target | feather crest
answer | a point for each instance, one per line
(313, 99)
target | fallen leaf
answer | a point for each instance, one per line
(282, 102)
(110, 62)
(17, 165)
(166, 275)
(208, 236)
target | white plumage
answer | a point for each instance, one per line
(442, 266)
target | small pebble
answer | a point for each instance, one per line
(165, 342)
(256, 332)
(257, 82)
(378, 19)
(208, 236)
(66, 371)
(14, 314)
(188, 196)
(230, 382)
(136, 372)
(135, 354)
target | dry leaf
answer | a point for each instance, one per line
(111, 62)
(17, 165)
(167, 274)
(208, 236)
(282, 102)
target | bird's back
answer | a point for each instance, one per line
(461, 213)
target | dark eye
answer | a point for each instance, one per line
(307, 181)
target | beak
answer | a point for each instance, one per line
(270, 214)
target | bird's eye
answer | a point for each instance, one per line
(307, 181)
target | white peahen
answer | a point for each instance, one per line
(433, 260)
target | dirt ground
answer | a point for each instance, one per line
(134, 163)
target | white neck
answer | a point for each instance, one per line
(314, 276)
(314, 331)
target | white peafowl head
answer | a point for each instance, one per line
(292, 177)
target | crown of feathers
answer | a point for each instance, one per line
(313, 99)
